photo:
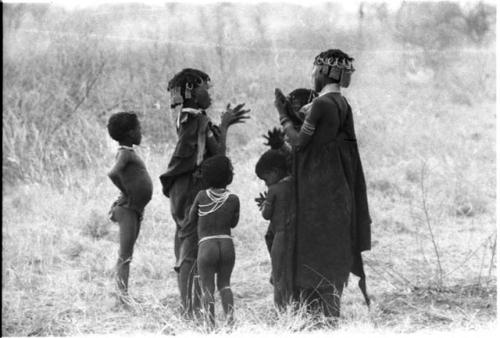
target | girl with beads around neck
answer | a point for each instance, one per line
(216, 211)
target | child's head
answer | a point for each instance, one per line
(217, 171)
(271, 167)
(190, 87)
(299, 98)
(125, 128)
(332, 66)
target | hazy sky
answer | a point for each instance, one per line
(72, 4)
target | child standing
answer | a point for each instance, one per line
(216, 211)
(276, 207)
(130, 175)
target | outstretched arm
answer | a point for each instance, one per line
(217, 144)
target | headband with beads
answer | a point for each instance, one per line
(176, 97)
(339, 69)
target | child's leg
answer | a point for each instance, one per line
(208, 256)
(129, 225)
(277, 263)
(226, 266)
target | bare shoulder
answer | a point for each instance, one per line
(233, 199)
(201, 195)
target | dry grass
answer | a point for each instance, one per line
(59, 250)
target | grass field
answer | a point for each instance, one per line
(427, 144)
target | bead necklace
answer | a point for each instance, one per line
(217, 200)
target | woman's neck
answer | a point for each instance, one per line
(330, 88)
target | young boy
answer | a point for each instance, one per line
(198, 139)
(216, 211)
(129, 174)
(272, 168)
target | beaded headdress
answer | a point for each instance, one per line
(336, 65)
(183, 83)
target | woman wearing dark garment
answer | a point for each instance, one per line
(332, 218)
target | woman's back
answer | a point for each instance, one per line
(335, 120)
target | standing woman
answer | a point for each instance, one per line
(332, 221)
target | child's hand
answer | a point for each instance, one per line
(275, 138)
(261, 199)
(234, 115)
(121, 200)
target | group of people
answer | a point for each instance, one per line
(316, 198)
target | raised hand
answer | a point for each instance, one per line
(281, 103)
(274, 138)
(234, 115)
(261, 199)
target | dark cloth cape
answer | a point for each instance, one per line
(332, 221)
(181, 181)
(184, 158)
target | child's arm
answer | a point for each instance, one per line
(269, 237)
(236, 214)
(268, 205)
(122, 160)
(193, 212)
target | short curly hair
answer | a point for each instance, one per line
(121, 123)
(271, 160)
(217, 171)
(303, 95)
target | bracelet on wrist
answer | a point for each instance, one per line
(284, 120)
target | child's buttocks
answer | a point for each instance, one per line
(216, 251)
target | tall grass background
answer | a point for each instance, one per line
(423, 96)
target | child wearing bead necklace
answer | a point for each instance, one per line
(216, 211)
